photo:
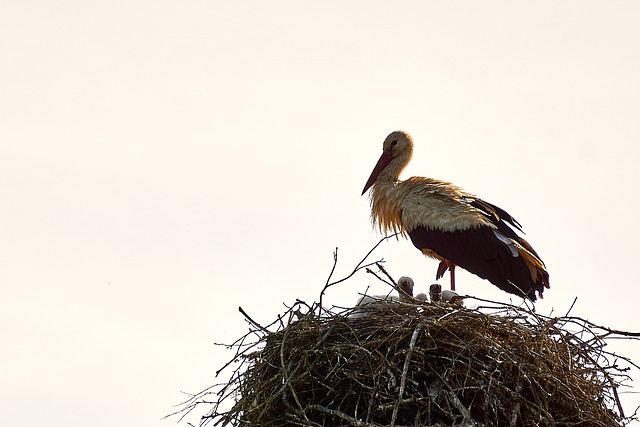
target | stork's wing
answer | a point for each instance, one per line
(500, 218)
(496, 214)
(440, 205)
(474, 234)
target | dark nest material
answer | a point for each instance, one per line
(426, 364)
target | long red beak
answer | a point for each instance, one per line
(383, 161)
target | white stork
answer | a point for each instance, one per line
(405, 289)
(422, 297)
(446, 296)
(451, 225)
(373, 302)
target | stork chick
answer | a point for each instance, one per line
(405, 289)
(372, 302)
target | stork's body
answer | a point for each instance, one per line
(451, 225)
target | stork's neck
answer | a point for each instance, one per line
(387, 194)
(386, 200)
(391, 174)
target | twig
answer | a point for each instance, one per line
(352, 421)
(571, 307)
(459, 406)
(516, 408)
(395, 285)
(327, 284)
(370, 271)
(285, 374)
(405, 371)
(253, 322)
(358, 267)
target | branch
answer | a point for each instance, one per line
(253, 322)
(405, 371)
(358, 267)
(395, 285)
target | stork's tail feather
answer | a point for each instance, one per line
(536, 267)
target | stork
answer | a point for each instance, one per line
(453, 226)
(367, 303)
(422, 297)
(405, 289)
(405, 293)
(439, 295)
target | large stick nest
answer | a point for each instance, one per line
(423, 364)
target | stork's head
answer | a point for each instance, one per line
(422, 297)
(397, 142)
(396, 153)
(405, 288)
(435, 292)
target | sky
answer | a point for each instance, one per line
(163, 163)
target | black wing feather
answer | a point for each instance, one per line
(480, 252)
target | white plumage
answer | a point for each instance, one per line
(368, 303)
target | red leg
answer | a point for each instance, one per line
(452, 269)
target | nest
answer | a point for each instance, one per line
(419, 364)
(425, 365)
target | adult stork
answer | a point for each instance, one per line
(453, 226)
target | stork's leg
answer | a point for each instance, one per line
(452, 269)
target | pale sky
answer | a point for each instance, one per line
(162, 163)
